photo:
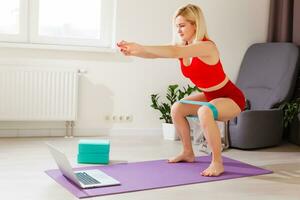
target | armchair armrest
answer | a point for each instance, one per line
(257, 115)
(256, 129)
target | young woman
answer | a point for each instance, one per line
(200, 62)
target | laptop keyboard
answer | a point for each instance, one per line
(85, 178)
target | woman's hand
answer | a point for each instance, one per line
(134, 49)
(131, 49)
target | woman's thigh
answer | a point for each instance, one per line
(227, 108)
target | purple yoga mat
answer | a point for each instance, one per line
(157, 174)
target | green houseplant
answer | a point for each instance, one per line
(290, 110)
(174, 94)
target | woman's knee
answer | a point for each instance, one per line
(176, 109)
(205, 115)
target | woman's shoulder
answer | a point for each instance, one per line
(212, 47)
(205, 40)
(208, 42)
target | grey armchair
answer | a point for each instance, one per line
(267, 77)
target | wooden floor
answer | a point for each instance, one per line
(24, 160)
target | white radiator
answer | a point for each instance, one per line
(38, 94)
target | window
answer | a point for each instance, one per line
(58, 22)
(13, 20)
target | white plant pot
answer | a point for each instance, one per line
(169, 132)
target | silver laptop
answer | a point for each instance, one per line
(83, 178)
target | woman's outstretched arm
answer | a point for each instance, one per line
(201, 49)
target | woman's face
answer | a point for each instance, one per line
(185, 29)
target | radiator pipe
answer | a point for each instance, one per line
(67, 124)
(72, 128)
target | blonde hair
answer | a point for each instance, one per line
(194, 15)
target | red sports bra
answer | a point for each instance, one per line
(203, 75)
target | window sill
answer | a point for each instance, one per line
(58, 47)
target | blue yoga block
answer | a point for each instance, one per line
(93, 146)
(92, 158)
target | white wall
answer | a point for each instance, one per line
(119, 85)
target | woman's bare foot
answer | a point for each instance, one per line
(183, 157)
(214, 169)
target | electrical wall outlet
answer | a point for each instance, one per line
(115, 118)
(119, 118)
(129, 118)
(107, 117)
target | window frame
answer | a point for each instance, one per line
(29, 37)
(22, 36)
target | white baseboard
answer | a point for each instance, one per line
(61, 132)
